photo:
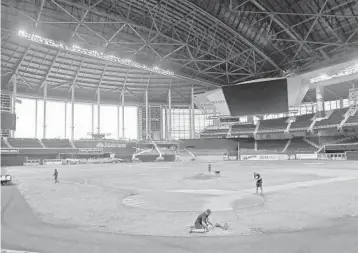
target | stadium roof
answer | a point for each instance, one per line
(204, 44)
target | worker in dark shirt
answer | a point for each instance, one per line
(258, 178)
(202, 221)
(55, 176)
(209, 168)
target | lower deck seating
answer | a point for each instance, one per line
(24, 143)
(353, 139)
(299, 145)
(243, 128)
(247, 144)
(326, 139)
(206, 152)
(57, 143)
(214, 133)
(271, 145)
(3, 144)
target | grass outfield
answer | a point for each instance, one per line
(165, 198)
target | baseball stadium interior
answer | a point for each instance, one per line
(138, 97)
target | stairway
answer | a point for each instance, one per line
(41, 143)
(351, 112)
(7, 143)
(72, 144)
(290, 120)
(311, 143)
(287, 145)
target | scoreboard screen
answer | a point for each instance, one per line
(257, 98)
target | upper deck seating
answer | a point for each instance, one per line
(299, 145)
(273, 124)
(334, 119)
(302, 122)
(56, 143)
(243, 128)
(24, 143)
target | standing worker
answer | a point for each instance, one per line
(258, 178)
(55, 176)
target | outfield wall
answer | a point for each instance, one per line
(352, 155)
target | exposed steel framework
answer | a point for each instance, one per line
(206, 43)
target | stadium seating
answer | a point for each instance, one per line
(298, 145)
(243, 128)
(302, 122)
(333, 120)
(24, 143)
(85, 143)
(56, 143)
(247, 144)
(323, 140)
(271, 145)
(214, 133)
(352, 119)
(353, 139)
(273, 124)
(207, 152)
(3, 144)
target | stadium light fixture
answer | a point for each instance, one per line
(76, 49)
(350, 70)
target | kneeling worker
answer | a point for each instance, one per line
(202, 222)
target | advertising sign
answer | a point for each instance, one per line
(9, 151)
(267, 157)
(90, 150)
(306, 156)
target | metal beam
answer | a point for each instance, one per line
(238, 35)
(45, 111)
(280, 23)
(130, 24)
(309, 31)
(123, 124)
(50, 68)
(39, 13)
(18, 65)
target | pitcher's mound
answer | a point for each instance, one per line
(201, 177)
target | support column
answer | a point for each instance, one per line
(92, 127)
(73, 113)
(169, 118)
(320, 102)
(14, 97)
(98, 111)
(118, 122)
(65, 120)
(123, 125)
(45, 111)
(192, 115)
(36, 102)
(146, 115)
(340, 102)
